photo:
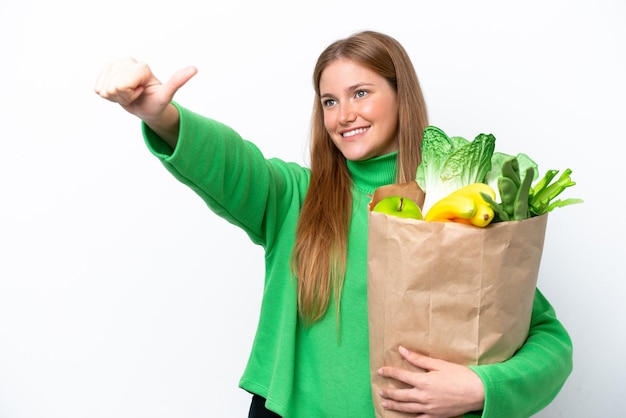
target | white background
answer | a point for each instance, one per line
(122, 296)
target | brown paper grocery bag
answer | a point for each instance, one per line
(451, 291)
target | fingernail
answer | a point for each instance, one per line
(403, 350)
(380, 371)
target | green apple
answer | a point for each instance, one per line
(399, 206)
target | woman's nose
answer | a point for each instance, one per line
(346, 114)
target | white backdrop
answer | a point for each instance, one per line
(122, 296)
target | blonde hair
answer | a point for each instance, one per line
(320, 251)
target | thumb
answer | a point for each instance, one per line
(179, 79)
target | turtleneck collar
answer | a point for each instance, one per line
(370, 174)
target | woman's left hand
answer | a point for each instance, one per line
(444, 390)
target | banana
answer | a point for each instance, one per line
(465, 205)
(474, 190)
(452, 207)
(483, 216)
(484, 213)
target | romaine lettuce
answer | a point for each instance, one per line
(451, 163)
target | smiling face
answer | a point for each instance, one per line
(360, 110)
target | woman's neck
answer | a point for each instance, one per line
(370, 174)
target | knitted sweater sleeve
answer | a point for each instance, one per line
(230, 174)
(531, 379)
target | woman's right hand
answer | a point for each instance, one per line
(133, 85)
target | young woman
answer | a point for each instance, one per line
(310, 354)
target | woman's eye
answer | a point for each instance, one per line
(360, 93)
(328, 102)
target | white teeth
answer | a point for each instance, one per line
(354, 132)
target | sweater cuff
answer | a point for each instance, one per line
(156, 145)
(487, 406)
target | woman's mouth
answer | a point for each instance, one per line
(354, 132)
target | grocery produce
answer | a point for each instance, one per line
(450, 208)
(519, 199)
(543, 193)
(464, 205)
(449, 163)
(452, 164)
(483, 216)
(399, 206)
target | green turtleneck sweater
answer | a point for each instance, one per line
(314, 371)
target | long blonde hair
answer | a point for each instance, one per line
(320, 251)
